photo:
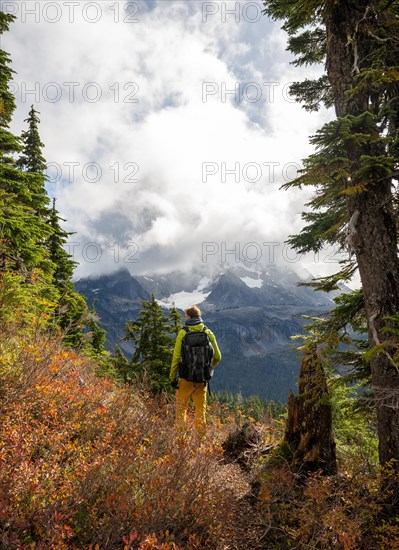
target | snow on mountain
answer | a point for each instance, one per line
(253, 313)
(184, 299)
(233, 286)
(252, 283)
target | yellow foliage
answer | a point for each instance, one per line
(360, 187)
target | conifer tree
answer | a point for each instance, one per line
(64, 264)
(98, 334)
(22, 232)
(9, 144)
(31, 236)
(33, 163)
(121, 365)
(72, 314)
(175, 321)
(72, 317)
(151, 334)
(32, 159)
(355, 166)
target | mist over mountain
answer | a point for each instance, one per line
(252, 312)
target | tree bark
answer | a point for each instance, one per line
(348, 49)
(309, 424)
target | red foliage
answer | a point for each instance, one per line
(86, 464)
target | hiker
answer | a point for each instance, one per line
(195, 355)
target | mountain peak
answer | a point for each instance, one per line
(119, 283)
(231, 278)
(231, 291)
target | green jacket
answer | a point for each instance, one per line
(177, 351)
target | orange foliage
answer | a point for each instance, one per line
(86, 464)
(344, 511)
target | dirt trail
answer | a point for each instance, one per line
(244, 531)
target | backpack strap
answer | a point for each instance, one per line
(203, 330)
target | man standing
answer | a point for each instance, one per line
(189, 364)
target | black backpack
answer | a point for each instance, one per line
(196, 356)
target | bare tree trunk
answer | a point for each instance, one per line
(309, 424)
(348, 46)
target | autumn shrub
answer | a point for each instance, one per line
(310, 516)
(347, 511)
(85, 463)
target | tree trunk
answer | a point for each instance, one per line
(348, 46)
(309, 424)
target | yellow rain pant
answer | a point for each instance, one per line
(196, 390)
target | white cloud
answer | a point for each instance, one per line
(164, 139)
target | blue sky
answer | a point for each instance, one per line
(167, 126)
